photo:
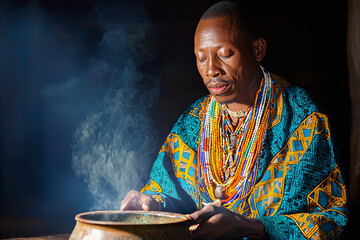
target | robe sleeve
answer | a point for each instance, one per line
(314, 201)
(325, 219)
(173, 178)
(164, 186)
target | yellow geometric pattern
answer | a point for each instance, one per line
(198, 111)
(268, 193)
(331, 189)
(183, 159)
(279, 85)
(310, 226)
(152, 186)
(158, 198)
(329, 194)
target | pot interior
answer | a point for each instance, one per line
(130, 218)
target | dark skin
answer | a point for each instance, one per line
(221, 223)
(135, 200)
(228, 61)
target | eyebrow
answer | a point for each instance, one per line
(218, 48)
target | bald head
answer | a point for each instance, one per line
(242, 12)
(228, 53)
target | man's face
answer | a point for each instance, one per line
(225, 59)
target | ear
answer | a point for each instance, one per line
(259, 46)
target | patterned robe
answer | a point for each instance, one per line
(299, 192)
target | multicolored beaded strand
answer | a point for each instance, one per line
(224, 168)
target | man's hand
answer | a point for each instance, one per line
(135, 200)
(220, 223)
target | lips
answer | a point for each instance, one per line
(218, 88)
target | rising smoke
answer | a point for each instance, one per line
(114, 147)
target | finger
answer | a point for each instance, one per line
(127, 197)
(131, 202)
(206, 230)
(149, 203)
(200, 231)
(192, 222)
(209, 231)
(145, 202)
(204, 214)
(124, 202)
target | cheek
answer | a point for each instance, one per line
(201, 70)
(233, 67)
(231, 72)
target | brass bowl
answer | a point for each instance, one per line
(130, 225)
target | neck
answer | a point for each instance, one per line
(234, 121)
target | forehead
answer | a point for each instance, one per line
(216, 32)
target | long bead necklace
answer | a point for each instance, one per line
(228, 171)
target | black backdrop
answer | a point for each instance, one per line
(43, 42)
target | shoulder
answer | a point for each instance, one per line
(188, 125)
(291, 105)
(293, 96)
(197, 109)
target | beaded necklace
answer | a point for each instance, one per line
(228, 171)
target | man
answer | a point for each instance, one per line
(255, 158)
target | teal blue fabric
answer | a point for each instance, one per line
(299, 193)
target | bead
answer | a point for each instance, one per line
(228, 157)
(219, 192)
(217, 203)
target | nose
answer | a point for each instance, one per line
(212, 68)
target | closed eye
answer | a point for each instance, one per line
(202, 60)
(226, 56)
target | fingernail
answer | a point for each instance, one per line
(193, 227)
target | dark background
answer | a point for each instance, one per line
(43, 42)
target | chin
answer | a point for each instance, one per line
(223, 99)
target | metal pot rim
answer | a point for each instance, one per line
(177, 217)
